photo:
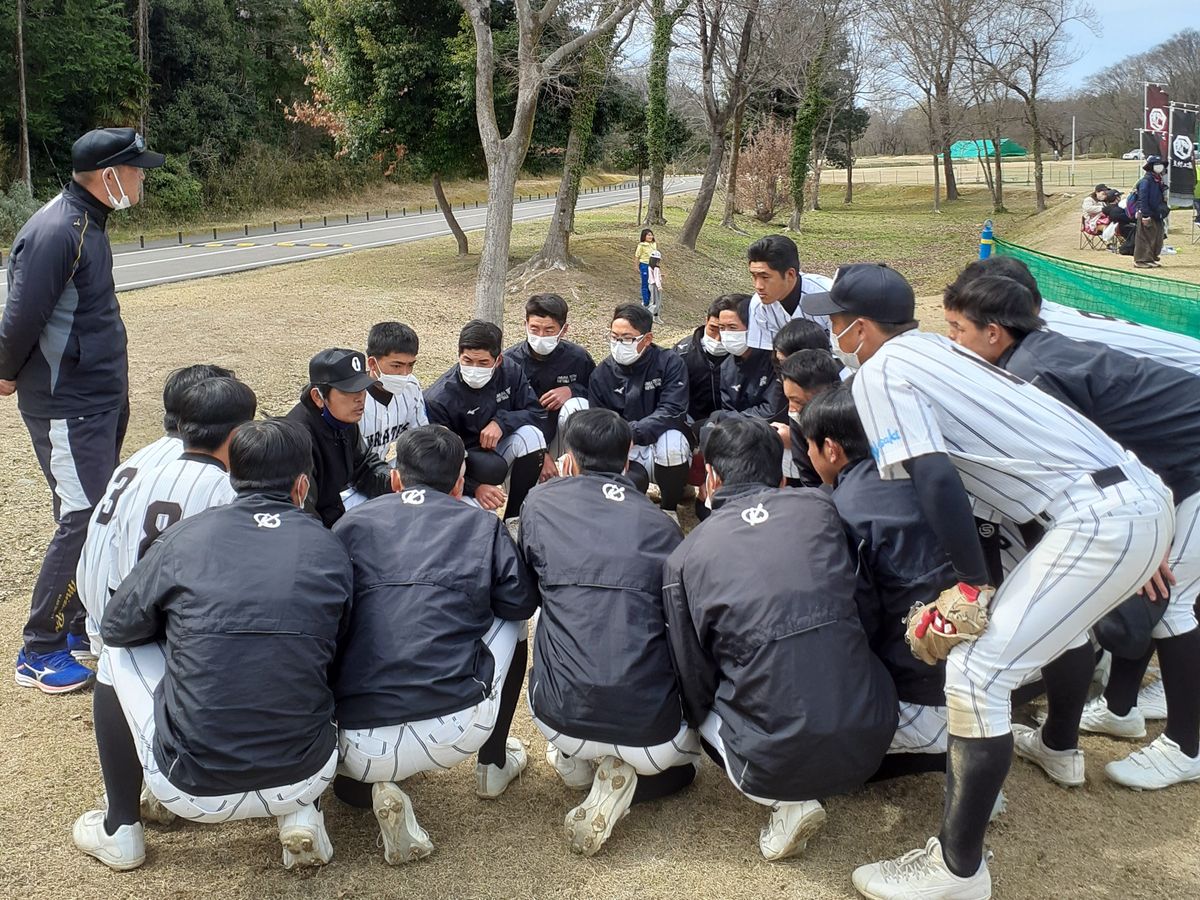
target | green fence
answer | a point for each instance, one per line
(1161, 302)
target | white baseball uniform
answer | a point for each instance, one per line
(1166, 347)
(382, 423)
(767, 318)
(1108, 519)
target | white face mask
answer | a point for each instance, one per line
(848, 359)
(735, 342)
(625, 354)
(399, 384)
(713, 347)
(1158, 168)
(542, 345)
(476, 376)
(124, 202)
(794, 416)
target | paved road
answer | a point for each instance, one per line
(141, 268)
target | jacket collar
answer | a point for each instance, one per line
(84, 198)
(849, 470)
(204, 458)
(732, 493)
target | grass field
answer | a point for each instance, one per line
(1096, 842)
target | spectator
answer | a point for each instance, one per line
(1152, 210)
(646, 246)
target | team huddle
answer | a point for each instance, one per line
(899, 533)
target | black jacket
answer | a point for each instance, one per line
(763, 629)
(430, 575)
(651, 395)
(568, 365)
(601, 667)
(750, 385)
(341, 460)
(251, 599)
(61, 335)
(808, 475)
(507, 398)
(1152, 198)
(900, 562)
(1143, 405)
(704, 376)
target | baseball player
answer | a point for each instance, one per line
(778, 287)
(486, 400)
(142, 505)
(750, 382)
(344, 472)
(558, 370)
(771, 658)
(703, 354)
(63, 352)
(216, 748)
(797, 335)
(394, 403)
(602, 689)
(648, 387)
(1154, 411)
(957, 426)
(805, 375)
(451, 686)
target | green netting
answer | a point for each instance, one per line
(1161, 302)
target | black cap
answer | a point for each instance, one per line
(104, 147)
(1100, 187)
(871, 290)
(1150, 161)
(345, 370)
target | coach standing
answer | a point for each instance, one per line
(62, 351)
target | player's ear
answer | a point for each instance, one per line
(315, 395)
(713, 479)
(397, 484)
(460, 485)
(300, 489)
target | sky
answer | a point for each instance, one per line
(1127, 28)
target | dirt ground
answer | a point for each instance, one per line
(1100, 841)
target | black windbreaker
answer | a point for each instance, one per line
(750, 385)
(651, 395)
(507, 398)
(704, 376)
(568, 365)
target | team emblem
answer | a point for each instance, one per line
(413, 498)
(986, 529)
(755, 515)
(1158, 119)
(614, 492)
(356, 364)
(1182, 148)
(266, 520)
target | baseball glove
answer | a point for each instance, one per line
(959, 614)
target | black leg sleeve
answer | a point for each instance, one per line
(639, 476)
(702, 511)
(655, 787)
(1067, 680)
(492, 751)
(486, 466)
(1179, 658)
(897, 765)
(351, 792)
(1124, 681)
(524, 475)
(975, 773)
(119, 764)
(671, 481)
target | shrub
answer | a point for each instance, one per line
(173, 192)
(16, 206)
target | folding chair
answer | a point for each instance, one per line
(1090, 236)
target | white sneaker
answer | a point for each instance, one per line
(921, 874)
(575, 773)
(304, 838)
(1099, 719)
(791, 825)
(122, 851)
(591, 823)
(404, 840)
(1158, 765)
(491, 781)
(1063, 766)
(1152, 702)
(999, 808)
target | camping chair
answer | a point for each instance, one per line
(1090, 234)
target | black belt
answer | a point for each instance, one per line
(1106, 478)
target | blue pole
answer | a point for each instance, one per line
(985, 240)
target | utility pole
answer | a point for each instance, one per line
(23, 166)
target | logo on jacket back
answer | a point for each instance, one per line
(614, 492)
(755, 515)
(267, 520)
(413, 498)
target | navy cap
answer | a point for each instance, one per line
(871, 290)
(104, 147)
(345, 370)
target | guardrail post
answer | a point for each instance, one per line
(986, 240)
(274, 228)
(142, 241)
(246, 230)
(180, 238)
(214, 234)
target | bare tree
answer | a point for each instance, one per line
(990, 114)
(23, 166)
(143, 44)
(505, 153)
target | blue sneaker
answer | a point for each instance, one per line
(80, 647)
(51, 673)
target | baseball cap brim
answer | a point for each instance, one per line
(820, 304)
(359, 382)
(147, 159)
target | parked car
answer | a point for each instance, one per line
(1135, 153)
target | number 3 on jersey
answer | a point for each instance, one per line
(120, 483)
(160, 515)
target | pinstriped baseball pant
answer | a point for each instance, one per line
(654, 760)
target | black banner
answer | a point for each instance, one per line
(1182, 157)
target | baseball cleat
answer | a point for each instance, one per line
(1099, 719)
(1158, 765)
(921, 873)
(789, 829)
(304, 838)
(1152, 701)
(491, 781)
(80, 647)
(575, 773)
(1063, 766)
(591, 823)
(514, 527)
(999, 808)
(51, 673)
(404, 840)
(122, 851)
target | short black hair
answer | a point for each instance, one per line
(268, 455)
(1007, 266)
(800, 334)
(552, 306)
(995, 299)
(833, 416)
(599, 439)
(636, 315)
(714, 310)
(776, 250)
(812, 370)
(386, 338)
(178, 382)
(480, 335)
(431, 455)
(211, 410)
(737, 303)
(745, 450)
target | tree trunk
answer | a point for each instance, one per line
(937, 188)
(708, 185)
(448, 212)
(503, 170)
(808, 116)
(656, 110)
(735, 153)
(946, 136)
(1038, 183)
(819, 166)
(143, 42)
(849, 171)
(23, 164)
